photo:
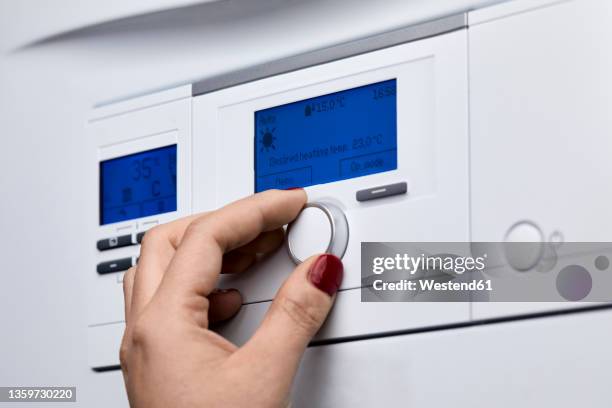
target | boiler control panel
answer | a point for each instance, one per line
(391, 142)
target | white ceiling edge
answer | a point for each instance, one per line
(156, 51)
(29, 22)
(24, 22)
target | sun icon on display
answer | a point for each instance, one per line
(267, 140)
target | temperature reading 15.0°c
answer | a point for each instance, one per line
(324, 105)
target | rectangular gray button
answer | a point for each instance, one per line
(114, 242)
(114, 266)
(382, 191)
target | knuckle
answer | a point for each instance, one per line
(153, 235)
(125, 346)
(198, 306)
(306, 317)
(138, 336)
(128, 277)
(208, 228)
(197, 226)
(124, 351)
(140, 333)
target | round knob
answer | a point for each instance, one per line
(524, 245)
(320, 228)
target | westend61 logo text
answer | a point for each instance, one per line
(486, 271)
(412, 264)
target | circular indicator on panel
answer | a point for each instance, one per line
(524, 245)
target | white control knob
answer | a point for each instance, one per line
(321, 227)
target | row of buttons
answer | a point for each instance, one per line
(134, 239)
(122, 264)
(362, 195)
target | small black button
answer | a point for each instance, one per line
(114, 242)
(114, 266)
(382, 191)
(140, 236)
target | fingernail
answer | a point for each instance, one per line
(224, 290)
(295, 188)
(326, 273)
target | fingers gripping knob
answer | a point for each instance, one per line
(321, 227)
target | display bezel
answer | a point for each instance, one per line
(344, 93)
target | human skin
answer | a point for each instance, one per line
(170, 358)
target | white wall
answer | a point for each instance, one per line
(27, 21)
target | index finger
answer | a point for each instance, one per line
(196, 265)
(156, 252)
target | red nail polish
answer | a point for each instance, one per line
(326, 273)
(221, 290)
(295, 188)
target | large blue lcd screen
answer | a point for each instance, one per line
(333, 137)
(138, 185)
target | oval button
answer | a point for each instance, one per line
(320, 228)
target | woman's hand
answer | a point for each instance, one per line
(170, 358)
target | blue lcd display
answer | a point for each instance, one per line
(333, 137)
(138, 185)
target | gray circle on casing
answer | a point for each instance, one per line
(574, 283)
(549, 259)
(556, 239)
(523, 255)
(602, 262)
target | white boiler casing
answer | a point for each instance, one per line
(500, 113)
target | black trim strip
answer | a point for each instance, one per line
(496, 320)
(373, 336)
(106, 368)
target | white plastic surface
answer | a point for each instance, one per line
(350, 317)
(555, 362)
(103, 344)
(432, 151)
(47, 93)
(146, 123)
(540, 127)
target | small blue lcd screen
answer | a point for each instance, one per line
(338, 136)
(138, 185)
